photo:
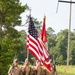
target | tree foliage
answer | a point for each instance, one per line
(22, 54)
(58, 46)
(10, 11)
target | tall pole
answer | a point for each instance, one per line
(28, 22)
(68, 51)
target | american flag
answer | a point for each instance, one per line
(36, 46)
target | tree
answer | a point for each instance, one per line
(10, 11)
(72, 52)
(50, 31)
(72, 48)
(10, 14)
(8, 50)
(61, 45)
(51, 41)
(22, 54)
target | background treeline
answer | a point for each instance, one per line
(13, 42)
(57, 46)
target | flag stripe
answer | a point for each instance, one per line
(43, 48)
(33, 47)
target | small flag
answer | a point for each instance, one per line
(43, 31)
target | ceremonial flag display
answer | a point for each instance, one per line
(36, 46)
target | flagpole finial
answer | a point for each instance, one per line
(44, 15)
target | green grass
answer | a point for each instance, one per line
(64, 70)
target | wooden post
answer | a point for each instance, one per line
(68, 50)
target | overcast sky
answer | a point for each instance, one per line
(58, 21)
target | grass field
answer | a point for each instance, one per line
(64, 70)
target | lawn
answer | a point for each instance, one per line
(64, 70)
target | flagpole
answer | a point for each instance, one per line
(28, 22)
(27, 54)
